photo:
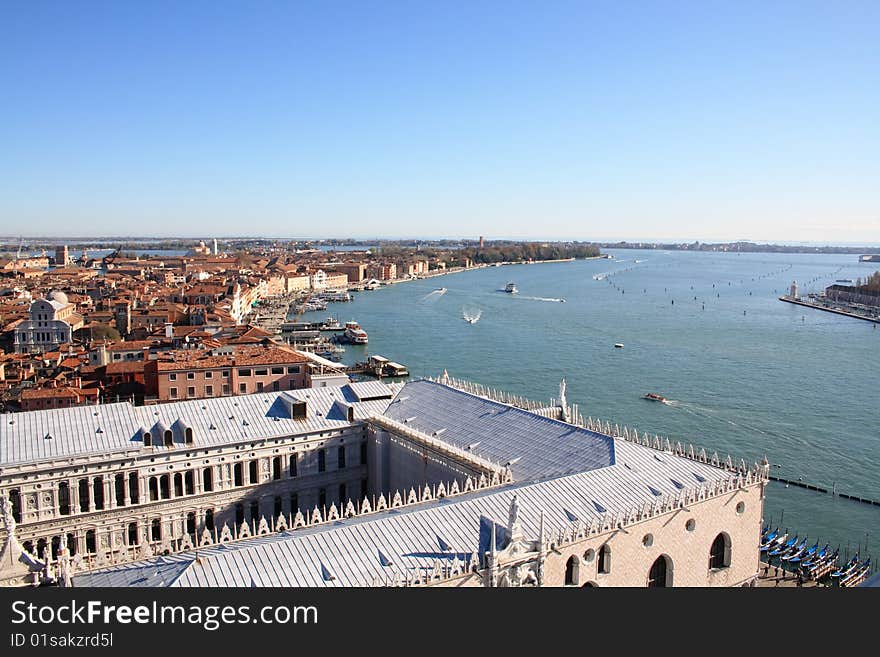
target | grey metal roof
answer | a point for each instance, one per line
(536, 447)
(361, 550)
(35, 436)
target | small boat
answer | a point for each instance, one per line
(618, 345)
(511, 288)
(796, 551)
(847, 569)
(441, 290)
(804, 554)
(784, 547)
(653, 396)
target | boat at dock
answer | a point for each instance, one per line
(653, 396)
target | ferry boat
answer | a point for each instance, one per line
(354, 333)
(653, 396)
(511, 288)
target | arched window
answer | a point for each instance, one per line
(189, 482)
(571, 571)
(719, 553)
(133, 533)
(208, 479)
(660, 575)
(133, 487)
(64, 498)
(188, 433)
(148, 439)
(238, 474)
(209, 520)
(119, 486)
(254, 469)
(276, 467)
(178, 484)
(169, 438)
(90, 541)
(191, 522)
(156, 530)
(71, 544)
(154, 489)
(165, 486)
(604, 559)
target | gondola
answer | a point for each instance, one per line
(857, 575)
(843, 572)
(816, 557)
(785, 547)
(773, 540)
(805, 554)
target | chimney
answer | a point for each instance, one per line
(169, 330)
(146, 354)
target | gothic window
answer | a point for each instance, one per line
(178, 485)
(191, 522)
(71, 544)
(604, 559)
(293, 465)
(238, 474)
(719, 553)
(341, 457)
(189, 482)
(154, 489)
(90, 542)
(659, 575)
(253, 471)
(165, 487)
(571, 571)
(209, 520)
(276, 467)
(156, 530)
(255, 510)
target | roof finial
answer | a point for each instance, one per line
(513, 524)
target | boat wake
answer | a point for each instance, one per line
(471, 315)
(434, 294)
(550, 299)
(708, 414)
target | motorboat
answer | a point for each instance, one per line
(653, 396)
(511, 288)
(354, 333)
(618, 345)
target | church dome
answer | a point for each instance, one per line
(59, 296)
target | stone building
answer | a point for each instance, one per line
(429, 483)
(52, 323)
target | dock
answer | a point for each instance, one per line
(380, 367)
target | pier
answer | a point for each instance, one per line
(848, 313)
(820, 489)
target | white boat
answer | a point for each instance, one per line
(619, 345)
(354, 333)
(511, 288)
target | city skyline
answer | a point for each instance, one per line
(656, 122)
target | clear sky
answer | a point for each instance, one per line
(548, 120)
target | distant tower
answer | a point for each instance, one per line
(794, 290)
(62, 256)
(215, 246)
(481, 241)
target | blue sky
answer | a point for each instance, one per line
(546, 120)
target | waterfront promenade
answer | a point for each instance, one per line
(854, 313)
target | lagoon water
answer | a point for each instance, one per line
(746, 373)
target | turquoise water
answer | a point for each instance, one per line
(748, 374)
